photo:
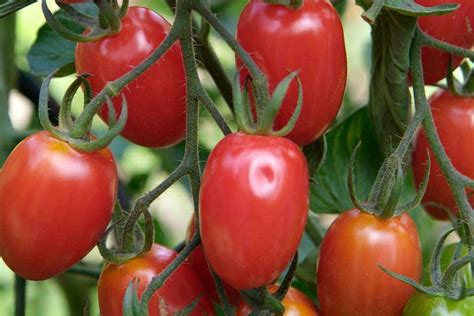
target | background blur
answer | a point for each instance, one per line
(141, 168)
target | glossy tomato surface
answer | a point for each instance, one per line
(199, 263)
(349, 280)
(454, 28)
(253, 207)
(157, 98)
(295, 303)
(55, 204)
(425, 305)
(178, 291)
(454, 121)
(309, 39)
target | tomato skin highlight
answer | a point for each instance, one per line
(157, 98)
(55, 204)
(199, 263)
(178, 291)
(425, 305)
(348, 272)
(454, 28)
(309, 39)
(295, 303)
(454, 121)
(253, 207)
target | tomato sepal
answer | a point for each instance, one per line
(443, 282)
(131, 242)
(387, 189)
(262, 300)
(77, 134)
(131, 303)
(266, 113)
(107, 23)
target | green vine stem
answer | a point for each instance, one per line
(207, 56)
(456, 181)
(20, 296)
(259, 81)
(221, 293)
(7, 72)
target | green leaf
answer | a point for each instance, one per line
(51, 51)
(410, 8)
(315, 154)
(330, 193)
(390, 101)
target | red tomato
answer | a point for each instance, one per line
(309, 39)
(454, 28)
(55, 204)
(157, 98)
(199, 263)
(348, 278)
(178, 292)
(295, 303)
(253, 207)
(454, 120)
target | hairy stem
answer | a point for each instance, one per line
(455, 181)
(7, 71)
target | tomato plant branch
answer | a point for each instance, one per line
(216, 115)
(79, 269)
(207, 56)
(439, 44)
(20, 296)
(7, 70)
(259, 81)
(159, 280)
(221, 293)
(455, 181)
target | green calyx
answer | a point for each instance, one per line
(78, 135)
(292, 4)
(387, 189)
(267, 109)
(129, 242)
(265, 303)
(446, 277)
(107, 22)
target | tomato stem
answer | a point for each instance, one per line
(260, 82)
(7, 71)
(456, 181)
(158, 281)
(20, 296)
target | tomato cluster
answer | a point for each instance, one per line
(254, 194)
